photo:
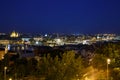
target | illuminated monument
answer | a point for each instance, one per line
(14, 34)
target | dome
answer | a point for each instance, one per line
(14, 34)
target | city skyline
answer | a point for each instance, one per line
(64, 16)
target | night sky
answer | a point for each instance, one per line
(60, 16)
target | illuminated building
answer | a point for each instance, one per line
(14, 34)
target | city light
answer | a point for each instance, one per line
(5, 68)
(10, 78)
(108, 62)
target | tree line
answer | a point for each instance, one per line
(62, 66)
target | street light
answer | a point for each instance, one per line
(108, 62)
(5, 68)
(10, 78)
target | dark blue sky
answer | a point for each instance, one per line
(62, 16)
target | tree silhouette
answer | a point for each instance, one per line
(67, 68)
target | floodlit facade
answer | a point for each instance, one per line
(14, 34)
